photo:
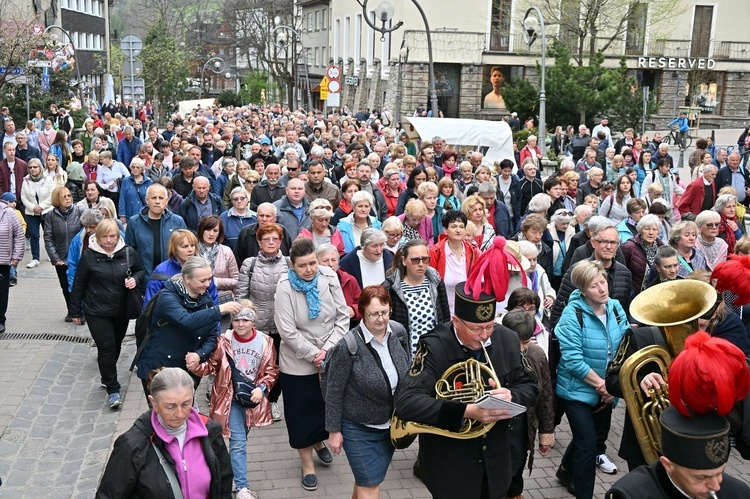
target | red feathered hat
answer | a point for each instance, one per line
(710, 374)
(733, 275)
(490, 273)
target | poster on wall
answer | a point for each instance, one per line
(493, 79)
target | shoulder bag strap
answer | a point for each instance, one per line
(128, 272)
(169, 472)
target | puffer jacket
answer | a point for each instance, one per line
(60, 228)
(261, 288)
(400, 312)
(99, 284)
(587, 348)
(225, 271)
(222, 392)
(134, 471)
(635, 255)
(74, 254)
(192, 326)
(37, 193)
(11, 235)
(620, 288)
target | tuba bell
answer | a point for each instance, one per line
(674, 307)
(462, 382)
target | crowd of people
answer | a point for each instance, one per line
(277, 247)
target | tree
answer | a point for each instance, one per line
(164, 69)
(18, 38)
(624, 100)
(521, 96)
(590, 26)
(60, 92)
(255, 87)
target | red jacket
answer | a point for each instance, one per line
(20, 170)
(437, 255)
(695, 194)
(336, 238)
(526, 153)
(390, 199)
(351, 290)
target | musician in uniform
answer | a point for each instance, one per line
(696, 451)
(479, 467)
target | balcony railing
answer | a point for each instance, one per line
(732, 50)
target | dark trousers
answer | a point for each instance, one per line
(108, 333)
(275, 393)
(33, 223)
(580, 456)
(4, 291)
(62, 277)
(519, 442)
(114, 196)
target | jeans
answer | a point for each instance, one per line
(238, 430)
(108, 333)
(62, 277)
(4, 291)
(33, 222)
(580, 456)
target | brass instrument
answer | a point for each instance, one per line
(674, 307)
(462, 382)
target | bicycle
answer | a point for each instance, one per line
(674, 138)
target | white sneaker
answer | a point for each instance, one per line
(32, 264)
(275, 411)
(244, 493)
(605, 464)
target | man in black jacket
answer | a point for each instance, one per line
(269, 190)
(737, 176)
(477, 467)
(247, 244)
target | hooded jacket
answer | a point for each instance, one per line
(138, 235)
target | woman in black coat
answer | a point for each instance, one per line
(99, 290)
(416, 177)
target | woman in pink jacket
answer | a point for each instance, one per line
(252, 352)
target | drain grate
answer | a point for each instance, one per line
(47, 337)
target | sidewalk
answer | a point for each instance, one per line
(56, 432)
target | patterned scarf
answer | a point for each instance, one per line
(209, 253)
(731, 239)
(310, 288)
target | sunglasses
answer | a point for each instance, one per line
(291, 169)
(239, 198)
(419, 259)
(712, 225)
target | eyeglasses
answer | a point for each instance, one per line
(607, 243)
(239, 198)
(478, 330)
(394, 235)
(712, 225)
(270, 240)
(526, 309)
(379, 315)
(419, 259)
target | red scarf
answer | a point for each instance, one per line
(345, 206)
(572, 193)
(449, 171)
(730, 238)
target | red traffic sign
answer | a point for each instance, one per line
(333, 72)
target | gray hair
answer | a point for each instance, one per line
(391, 223)
(235, 191)
(268, 205)
(540, 202)
(593, 171)
(91, 216)
(710, 168)
(599, 223)
(722, 202)
(648, 221)
(320, 208)
(487, 188)
(390, 171)
(20, 134)
(580, 209)
(324, 249)
(138, 162)
(316, 150)
(707, 216)
(664, 252)
(127, 129)
(528, 249)
(566, 164)
(170, 378)
(192, 264)
(561, 217)
(372, 236)
(360, 196)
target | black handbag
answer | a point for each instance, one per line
(241, 386)
(133, 297)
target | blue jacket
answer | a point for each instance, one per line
(682, 122)
(285, 216)
(233, 225)
(74, 255)
(623, 231)
(590, 347)
(189, 210)
(192, 326)
(126, 151)
(138, 236)
(502, 219)
(219, 184)
(171, 267)
(132, 196)
(347, 233)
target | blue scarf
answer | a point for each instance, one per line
(310, 288)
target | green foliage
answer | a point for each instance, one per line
(229, 98)
(165, 69)
(522, 136)
(521, 96)
(60, 92)
(625, 99)
(256, 87)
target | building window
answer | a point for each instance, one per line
(309, 22)
(347, 37)
(325, 19)
(317, 56)
(705, 89)
(64, 4)
(500, 27)
(336, 38)
(317, 20)
(309, 53)
(635, 38)
(323, 58)
(701, 39)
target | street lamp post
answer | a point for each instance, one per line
(403, 56)
(384, 13)
(72, 44)
(218, 68)
(281, 42)
(530, 26)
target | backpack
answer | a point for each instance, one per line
(143, 325)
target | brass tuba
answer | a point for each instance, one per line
(674, 307)
(462, 382)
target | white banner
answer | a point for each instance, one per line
(187, 106)
(494, 139)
